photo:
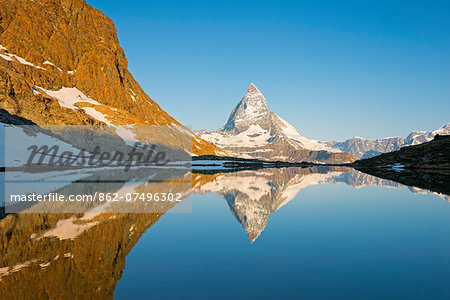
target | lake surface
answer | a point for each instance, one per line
(291, 233)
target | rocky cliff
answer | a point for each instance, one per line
(61, 63)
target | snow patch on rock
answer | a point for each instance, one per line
(11, 57)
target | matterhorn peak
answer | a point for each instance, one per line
(252, 108)
(254, 98)
(253, 89)
(253, 130)
(252, 236)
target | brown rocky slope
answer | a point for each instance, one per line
(61, 63)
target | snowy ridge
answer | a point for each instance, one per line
(366, 148)
(254, 136)
(419, 137)
(293, 134)
(74, 99)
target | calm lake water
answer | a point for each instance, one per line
(293, 233)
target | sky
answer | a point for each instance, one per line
(333, 69)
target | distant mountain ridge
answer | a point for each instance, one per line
(366, 148)
(363, 148)
(434, 154)
(253, 130)
(425, 165)
(418, 137)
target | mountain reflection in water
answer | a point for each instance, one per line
(82, 255)
(253, 195)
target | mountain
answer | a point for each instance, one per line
(434, 154)
(363, 148)
(253, 130)
(61, 64)
(418, 137)
(366, 148)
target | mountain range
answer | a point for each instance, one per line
(61, 64)
(434, 154)
(366, 148)
(254, 131)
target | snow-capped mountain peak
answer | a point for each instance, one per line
(418, 137)
(248, 111)
(253, 89)
(444, 129)
(252, 130)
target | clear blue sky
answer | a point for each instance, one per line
(333, 69)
